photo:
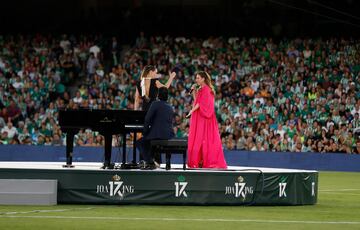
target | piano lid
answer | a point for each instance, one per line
(96, 119)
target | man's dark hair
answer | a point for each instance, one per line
(163, 94)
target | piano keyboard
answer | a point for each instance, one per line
(134, 127)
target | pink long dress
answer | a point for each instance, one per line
(204, 143)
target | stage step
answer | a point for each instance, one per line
(28, 192)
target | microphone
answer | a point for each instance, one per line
(192, 88)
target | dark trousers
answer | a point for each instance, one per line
(144, 146)
(145, 150)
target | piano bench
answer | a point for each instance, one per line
(168, 147)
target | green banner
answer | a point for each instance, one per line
(177, 187)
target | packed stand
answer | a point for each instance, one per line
(35, 75)
(298, 95)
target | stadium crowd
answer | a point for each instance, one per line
(299, 95)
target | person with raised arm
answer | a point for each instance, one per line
(148, 87)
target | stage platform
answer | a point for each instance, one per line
(86, 183)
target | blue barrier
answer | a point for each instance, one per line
(314, 161)
(310, 161)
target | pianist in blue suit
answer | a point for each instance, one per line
(158, 126)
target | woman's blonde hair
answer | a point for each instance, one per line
(207, 78)
(146, 70)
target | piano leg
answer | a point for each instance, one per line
(107, 162)
(133, 164)
(69, 149)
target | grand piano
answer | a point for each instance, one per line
(107, 123)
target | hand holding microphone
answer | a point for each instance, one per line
(193, 87)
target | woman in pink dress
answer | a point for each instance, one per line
(204, 143)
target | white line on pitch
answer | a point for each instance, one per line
(345, 194)
(43, 211)
(340, 190)
(185, 219)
